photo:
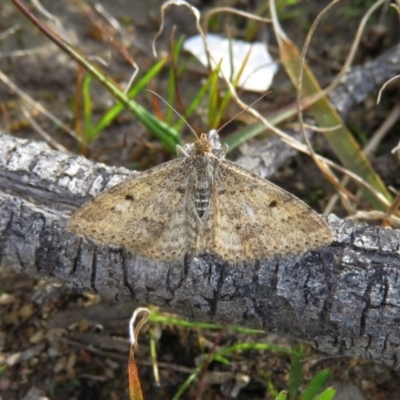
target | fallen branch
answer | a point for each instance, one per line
(343, 299)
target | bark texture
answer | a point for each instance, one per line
(343, 299)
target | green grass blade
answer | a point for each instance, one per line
(87, 109)
(167, 136)
(213, 99)
(295, 377)
(219, 114)
(116, 109)
(220, 359)
(172, 84)
(316, 385)
(258, 346)
(188, 382)
(195, 103)
(268, 382)
(327, 394)
(341, 140)
(152, 346)
(165, 133)
(248, 132)
(282, 395)
(157, 317)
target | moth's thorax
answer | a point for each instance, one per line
(202, 145)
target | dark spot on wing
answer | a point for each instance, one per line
(181, 189)
(129, 197)
(273, 203)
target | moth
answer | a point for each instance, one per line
(201, 203)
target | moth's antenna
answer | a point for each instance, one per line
(176, 112)
(241, 112)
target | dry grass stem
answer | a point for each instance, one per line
(41, 132)
(39, 107)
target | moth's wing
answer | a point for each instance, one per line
(255, 219)
(145, 214)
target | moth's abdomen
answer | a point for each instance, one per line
(202, 186)
(202, 200)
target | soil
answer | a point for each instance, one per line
(46, 353)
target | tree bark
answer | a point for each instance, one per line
(343, 299)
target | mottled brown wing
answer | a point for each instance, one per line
(255, 219)
(145, 214)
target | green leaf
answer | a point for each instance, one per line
(110, 115)
(327, 394)
(316, 385)
(295, 376)
(87, 109)
(282, 395)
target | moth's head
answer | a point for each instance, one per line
(202, 144)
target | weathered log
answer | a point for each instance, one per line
(343, 299)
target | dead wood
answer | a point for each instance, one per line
(343, 299)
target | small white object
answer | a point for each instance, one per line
(259, 68)
(241, 381)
